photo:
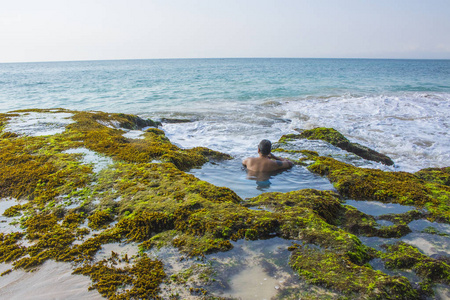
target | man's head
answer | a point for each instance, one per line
(264, 147)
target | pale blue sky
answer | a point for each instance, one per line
(54, 30)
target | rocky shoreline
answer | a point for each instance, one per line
(66, 210)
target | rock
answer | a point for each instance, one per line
(335, 138)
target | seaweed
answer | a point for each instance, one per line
(396, 187)
(154, 202)
(99, 219)
(326, 268)
(403, 256)
(360, 223)
(140, 281)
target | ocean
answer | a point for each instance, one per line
(398, 107)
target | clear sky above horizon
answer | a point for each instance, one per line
(60, 30)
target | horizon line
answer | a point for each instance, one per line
(197, 58)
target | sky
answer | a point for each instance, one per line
(61, 30)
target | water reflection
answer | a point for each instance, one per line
(262, 179)
(376, 208)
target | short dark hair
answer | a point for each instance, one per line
(265, 146)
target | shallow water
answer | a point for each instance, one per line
(98, 161)
(375, 208)
(39, 124)
(429, 244)
(251, 270)
(260, 270)
(419, 225)
(252, 283)
(231, 174)
(52, 280)
(5, 222)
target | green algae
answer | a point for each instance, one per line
(34, 168)
(324, 203)
(144, 278)
(37, 170)
(144, 225)
(29, 174)
(404, 256)
(435, 175)
(312, 216)
(90, 128)
(360, 223)
(100, 219)
(6, 272)
(403, 218)
(73, 220)
(432, 230)
(335, 138)
(396, 187)
(326, 268)
(9, 249)
(157, 204)
(14, 211)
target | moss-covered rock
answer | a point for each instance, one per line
(10, 250)
(324, 203)
(360, 223)
(335, 138)
(325, 267)
(14, 211)
(155, 203)
(397, 187)
(311, 216)
(436, 175)
(404, 218)
(93, 130)
(404, 256)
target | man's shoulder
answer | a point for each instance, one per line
(247, 160)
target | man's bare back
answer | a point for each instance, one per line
(266, 162)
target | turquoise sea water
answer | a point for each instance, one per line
(398, 107)
(145, 86)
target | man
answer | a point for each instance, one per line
(266, 162)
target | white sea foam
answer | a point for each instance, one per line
(134, 134)
(411, 128)
(39, 124)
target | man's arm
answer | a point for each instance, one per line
(244, 162)
(282, 163)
